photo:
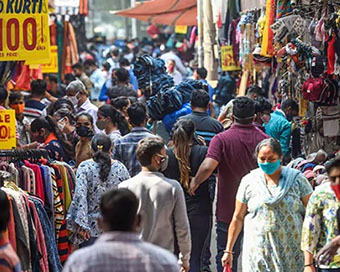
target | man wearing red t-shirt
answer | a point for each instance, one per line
(231, 152)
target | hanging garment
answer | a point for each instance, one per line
(267, 48)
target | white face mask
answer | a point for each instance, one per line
(74, 100)
(61, 124)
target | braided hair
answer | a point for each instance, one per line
(101, 145)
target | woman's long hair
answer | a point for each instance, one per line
(101, 145)
(116, 117)
(183, 134)
(49, 124)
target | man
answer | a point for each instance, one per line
(114, 58)
(280, 128)
(263, 109)
(34, 108)
(124, 63)
(9, 261)
(224, 91)
(79, 96)
(206, 126)
(201, 75)
(172, 71)
(120, 249)
(68, 78)
(327, 253)
(53, 87)
(226, 111)
(78, 71)
(172, 55)
(123, 87)
(125, 147)
(232, 152)
(97, 78)
(161, 200)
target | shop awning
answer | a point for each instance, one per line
(166, 12)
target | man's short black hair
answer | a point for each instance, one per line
(147, 148)
(137, 113)
(14, 96)
(119, 208)
(120, 102)
(38, 87)
(252, 90)
(106, 65)
(90, 62)
(4, 211)
(199, 99)
(202, 72)
(53, 78)
(69, 77)
(124, 62)
(332, 163)
(78, 66)
(243, 110)
(3, 94)
(122, 75)
(290, 103)
(261, 105)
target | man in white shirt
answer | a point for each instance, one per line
(171, 55)
(79, 96)
(161, 201)
(174, 73)
(120, 248)
(97, 78)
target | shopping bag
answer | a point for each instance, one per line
(227, 268)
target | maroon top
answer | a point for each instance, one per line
(234, 150)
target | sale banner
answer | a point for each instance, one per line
(7, 129)
(227, 59)
(24, 30)
(52, 66)
(181, 29)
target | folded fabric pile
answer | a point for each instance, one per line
(151, 73)
(173, 99)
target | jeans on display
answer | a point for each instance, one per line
(200, 227)
(222, 236)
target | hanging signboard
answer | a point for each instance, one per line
(52, 66)
(181, 29)
(7, 129)
(227, 59)
(24, 30)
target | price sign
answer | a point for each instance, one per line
(227, 59)
(24, 30)
(7, 129)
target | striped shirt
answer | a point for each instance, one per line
(34, 109)
(206, 126)
(9, 261)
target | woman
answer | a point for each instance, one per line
(320, 227)
(270, 202)
(112, 122)
(184, 161)
(65, 121)
(84, 130)
(94, 177)
(46, 132)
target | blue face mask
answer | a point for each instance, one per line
(270, 167)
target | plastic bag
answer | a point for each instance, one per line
(227, 268)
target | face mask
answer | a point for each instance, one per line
(336, 190)
(164, 164)
(74, 100)
(290, 117)
(270, 167)
(83, 131)
(61, 124)
(265, 118)
(171, 69)
(101, 124)
(19, 108)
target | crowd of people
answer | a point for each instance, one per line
(144, 202)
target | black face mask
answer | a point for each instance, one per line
(83, 131)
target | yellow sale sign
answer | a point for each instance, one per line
(52, 66)
(24, 30)
(227, 59)
(7, 129)
(181, 29)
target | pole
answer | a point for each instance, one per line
(200, 53)
(133, 22)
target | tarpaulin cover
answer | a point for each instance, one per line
(166, 12)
